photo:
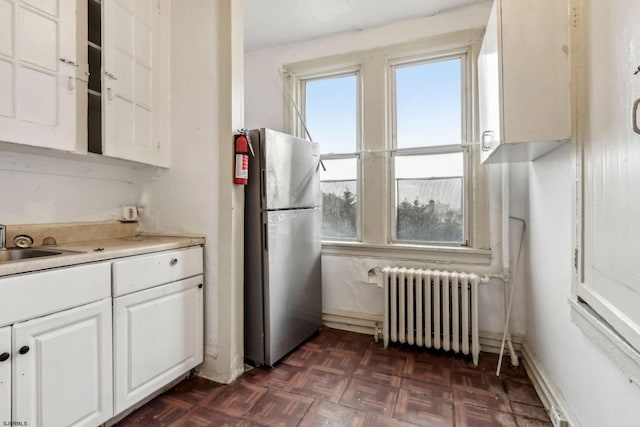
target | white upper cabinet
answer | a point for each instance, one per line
(86, 76)
(38, 73)
(135, 80)
(523, 80)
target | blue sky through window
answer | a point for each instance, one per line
(331, 113)
(429, 104)
(428, 107)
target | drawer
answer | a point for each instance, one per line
(30, 295)
(143, 272)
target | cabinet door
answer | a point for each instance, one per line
(38, 73)
(523, 80)
(489, 90)
(63, 368)
(158, 336)
(134, 74)
(5, 374)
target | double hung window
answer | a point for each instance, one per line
(429, 178)
(332, 119)
(394, 128)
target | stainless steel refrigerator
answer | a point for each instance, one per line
(282, 284)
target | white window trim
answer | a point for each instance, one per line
(432, 254)
(378, 242)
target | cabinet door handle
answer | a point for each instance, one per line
(265, 237)
(4, 356)
(483, 145)
(173, 261)
(24, 349)
(68, 61)
(636, 128)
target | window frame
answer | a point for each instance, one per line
(463, 147)
(374, 198)
(301, 83)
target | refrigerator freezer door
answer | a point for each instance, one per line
(293, 288)
(291, 171)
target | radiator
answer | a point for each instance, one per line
(433, 309)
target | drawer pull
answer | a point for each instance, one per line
(24, 349)
(200, 286)
(173, 261)
(4, 356)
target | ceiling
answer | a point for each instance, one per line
(271, 23)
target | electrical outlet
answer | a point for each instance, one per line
(556, 418)
(129, 213)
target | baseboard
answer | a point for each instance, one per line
(368, 324)
(371, 324)
(491, 342)
(551, 397)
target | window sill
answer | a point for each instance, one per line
(607, 339)
(436, 254)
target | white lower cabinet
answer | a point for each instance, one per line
(62, 368)
(158, 336)
(101, 350)
(5, 375)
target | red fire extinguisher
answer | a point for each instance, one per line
(242, 147)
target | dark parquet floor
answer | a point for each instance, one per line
(340, 378)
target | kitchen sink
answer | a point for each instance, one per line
(18, 254)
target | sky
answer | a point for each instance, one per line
(428, 102)
(331, 111)
(429, 113)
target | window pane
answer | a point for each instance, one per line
(430, 166)
(429, 104)
(429, 198)
(339, 187)
(331, 113)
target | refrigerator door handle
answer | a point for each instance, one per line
(263, 182)
(265, 237)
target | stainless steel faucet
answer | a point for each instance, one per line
(3, 237)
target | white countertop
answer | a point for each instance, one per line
(99, 250)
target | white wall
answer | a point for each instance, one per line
(196, 193)
(183, 197)
(597, 392)
(345, 285)
(39, 188)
